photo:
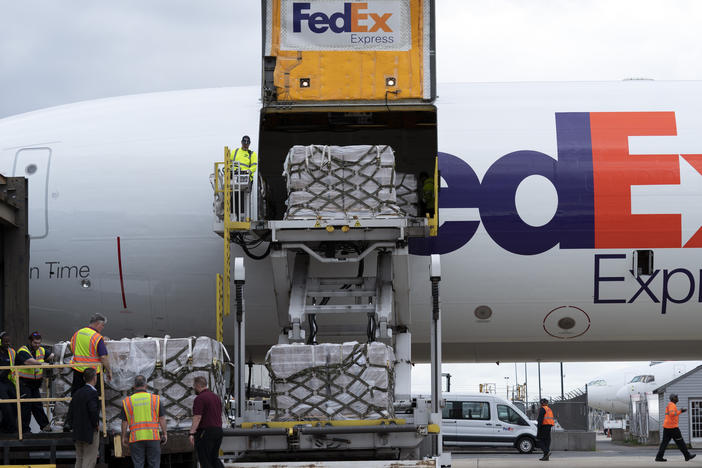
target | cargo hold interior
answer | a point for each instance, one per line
(409, 130)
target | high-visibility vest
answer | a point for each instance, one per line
(142, 416)
(672, 414)
(11, 352)
(84, 345)
(248, 162)
(549, 420)
(32, 374)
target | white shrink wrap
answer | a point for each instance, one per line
(336, 182)
(406, 193)
(169, 365)
(331, 381)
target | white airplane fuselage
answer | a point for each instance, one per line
(613, 392)
(547, 191)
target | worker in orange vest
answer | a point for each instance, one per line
(672, 431)
(543, 433)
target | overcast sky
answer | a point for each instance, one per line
(58, 52)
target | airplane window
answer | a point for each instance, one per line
(597, 383)
(643, 379)
(508, 415)
(479, 410)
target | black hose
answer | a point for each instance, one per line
(312, 322)
(435, 298)
(255, 256)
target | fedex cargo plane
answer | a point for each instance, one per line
(570, 213)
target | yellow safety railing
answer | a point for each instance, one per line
(223, 289)
(18, 400)
(434, 220)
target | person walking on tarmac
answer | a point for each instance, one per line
(8, 424)
(672, 431)
(142, 417)
(32, 354)
(546, 422)
(88, 347)
(246, 158)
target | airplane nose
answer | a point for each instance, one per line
(624, 393)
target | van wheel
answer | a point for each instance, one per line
(525, 445)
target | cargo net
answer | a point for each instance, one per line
(406, 193)
(169, 365)
(341, 182)
(331, 381)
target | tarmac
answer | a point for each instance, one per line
(607, 455)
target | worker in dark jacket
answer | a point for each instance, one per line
(546, 422)
(8, 411)
(84, 419)
(672, 431)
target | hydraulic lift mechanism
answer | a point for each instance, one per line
(339, 272)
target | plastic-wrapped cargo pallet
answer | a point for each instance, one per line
(406, 193)
(169, 365)
(336, 182)
(331, 381)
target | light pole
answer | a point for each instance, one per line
(507, 383)
(562, 397)
(526, 387)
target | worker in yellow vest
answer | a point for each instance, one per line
(246, 158)
(546, 421)
(8, 424)
(30, 381)
(141, 420)
(88, 347)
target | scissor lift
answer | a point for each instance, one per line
(381, 302)
(314, 95)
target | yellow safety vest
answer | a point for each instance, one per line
(246, 161)
(11, 352)
(84, 347)
(142, 416)
(32, 374)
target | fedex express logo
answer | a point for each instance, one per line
(598, 184)
(345, 25)
(352, 19)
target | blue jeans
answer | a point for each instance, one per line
(146, 451)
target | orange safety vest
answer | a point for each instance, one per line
(671, 416)
(33, 374)
(548, 417)
(142, 416)
(84, 345)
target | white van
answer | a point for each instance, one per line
(486, 420)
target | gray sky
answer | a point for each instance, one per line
(57, 52)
